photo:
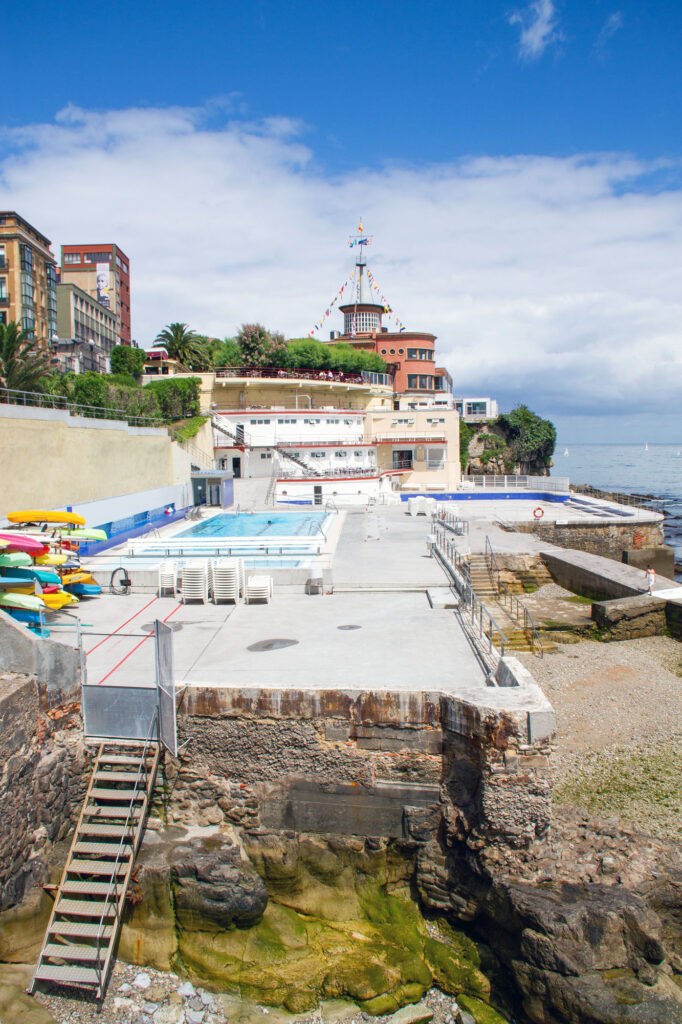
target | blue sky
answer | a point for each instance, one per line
(519, 164)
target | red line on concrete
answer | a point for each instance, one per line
(142, 641)
(121, 626)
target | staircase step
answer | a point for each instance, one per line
(96, 811)
(87, 888)
(92, 829)
(101, 849)
(85, 908)
(71, 952)
(81, 929)
(106, 759)
(124, 795)
(99, 867)
(107, 776)
(67, 975)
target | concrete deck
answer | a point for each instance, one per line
(401, 643)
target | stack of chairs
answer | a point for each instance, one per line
(226, 579)
(258, 588)
(168, 578)
(195, 581)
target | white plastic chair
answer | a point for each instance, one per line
(226, 579)
(168, 577)
(195, 581)
(258, 588)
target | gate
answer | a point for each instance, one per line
(136, 712)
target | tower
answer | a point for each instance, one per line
(361, 316)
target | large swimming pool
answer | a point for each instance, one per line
(260, 524)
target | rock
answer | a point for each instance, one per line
(125, 987)
(194, 1016)
(480, 1012)
(213, 887)
(608, 865)
(169, 1014)
(18, 1008)
(142, 981)
(187, 990)
(418, 1013)
(206, 998)
(150, 1007)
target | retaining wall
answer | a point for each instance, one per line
(609, 539)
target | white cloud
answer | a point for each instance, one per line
(539, 28)
(551, 281)
(612, 25)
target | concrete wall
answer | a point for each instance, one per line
(49, 459)
(55, 667)
(241, 393)
(609, 539)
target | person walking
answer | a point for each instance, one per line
(650, 574)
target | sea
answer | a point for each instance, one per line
(654, 469)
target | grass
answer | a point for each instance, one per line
(189, 428)
(643, 786)
(579, 599)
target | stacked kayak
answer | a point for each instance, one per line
(37, 576)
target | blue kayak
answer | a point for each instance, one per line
(84, 589)
(29, 573)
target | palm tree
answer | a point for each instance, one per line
(181, 343)
(22, 361)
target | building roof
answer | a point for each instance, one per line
(22, 220)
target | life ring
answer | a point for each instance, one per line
(538, 513)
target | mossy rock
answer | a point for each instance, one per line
(148, 936)
(482, 1012)
(22, 928)
(381, 1006)
(453, 973)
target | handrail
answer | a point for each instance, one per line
(128, 832)
(40, 400)
(484, 625)
(192, 450)
(516, 607)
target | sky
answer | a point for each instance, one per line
(519, 166)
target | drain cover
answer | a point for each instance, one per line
(149, 626)
(271, 645)
(349, 627)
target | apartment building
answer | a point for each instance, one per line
(103, 271)
(87, 332)
(28, 278)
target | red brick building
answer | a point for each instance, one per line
(103, 271)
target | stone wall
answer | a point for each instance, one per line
(609, 539)
(43, 775)
(368, 763)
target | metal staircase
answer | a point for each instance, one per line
(79, 944)
(242, 440)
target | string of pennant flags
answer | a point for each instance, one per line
(348, 285)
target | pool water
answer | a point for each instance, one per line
(259, 524)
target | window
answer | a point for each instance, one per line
(3, 287)
(358, 455)
(401, 351)
(476, 409)
(318, 455)
(266, 455)
(97, 257)
(341, 455)
(412, 380)
(392, 351)
(423, 381)
(435, 458)
(402, 459)
(72, 257)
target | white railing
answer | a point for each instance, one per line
(489, 638)
(555, 484)
(215, 547)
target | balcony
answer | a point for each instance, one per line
(4, 263)
(4, 300)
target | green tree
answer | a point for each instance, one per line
(465, 435)
(261, 347)
(530, 438)
(128, 360)
(23, 363)
(177, 398)
(226, 353)
(183, 344)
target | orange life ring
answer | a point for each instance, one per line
(538, 513)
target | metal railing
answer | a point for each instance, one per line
(555, 484)
(327, 474)
(511, 602)
(638, 500)
(202, 458)
(490, 637)
(216, 547)
(283, 373)
(127, 841)
(38, 400)
(451, 521)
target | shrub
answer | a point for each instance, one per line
(127, 360)
(177, 399)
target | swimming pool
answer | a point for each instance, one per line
(260, 524)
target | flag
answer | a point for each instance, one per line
(360, 227)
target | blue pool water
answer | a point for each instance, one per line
(259, 524)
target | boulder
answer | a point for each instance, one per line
(629, 617)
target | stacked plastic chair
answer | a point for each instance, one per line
(258, 588)
(226, 579)
(195, 581)
(168, 577)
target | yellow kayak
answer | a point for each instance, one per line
(59, 600)
(40, 516)
(51, 559)
(77, 577)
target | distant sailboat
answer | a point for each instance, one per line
(565, 451)
(646, 447)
